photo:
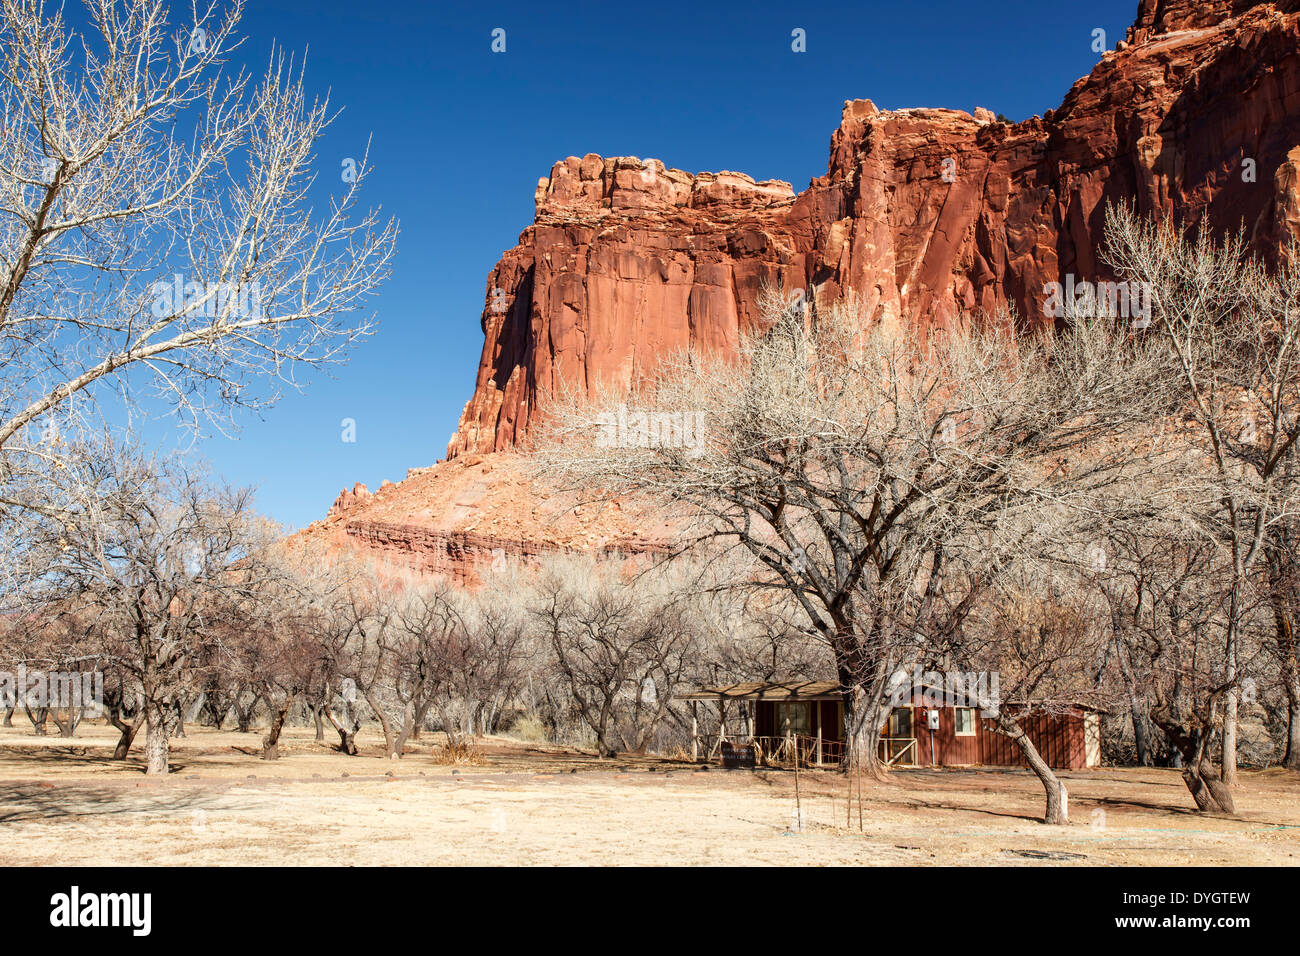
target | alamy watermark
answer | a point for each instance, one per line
(241, 300)
(76, 908)
(628, 428)
(948, 689)
(41, 688)
(1122, 300)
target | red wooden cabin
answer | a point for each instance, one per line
(809, 715)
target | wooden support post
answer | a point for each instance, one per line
(798, 797)
(695, 732)
(818, 705)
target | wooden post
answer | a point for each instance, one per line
(798, 801)
(859, 798)
(848, 796)
(695, 732)
(819, 732)
(722, 728)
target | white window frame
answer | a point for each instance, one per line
(963, 733)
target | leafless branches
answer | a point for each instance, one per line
(156, 223)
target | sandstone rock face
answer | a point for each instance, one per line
(467, 518)
(347, 501)
(928, 216)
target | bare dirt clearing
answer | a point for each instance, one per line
(65, 802)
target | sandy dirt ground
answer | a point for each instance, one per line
(66, 802)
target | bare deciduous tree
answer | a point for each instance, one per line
(849, 459)
(156, 227)
(144, 552)
(621, 646)
(1231, 325)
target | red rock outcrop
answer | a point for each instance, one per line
(464, 518)
(927, 215)
(347, 501)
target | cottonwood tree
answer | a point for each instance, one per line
(845, 454)
(1231, 325)
(337, 699)
(481, 647)
(156, 224)
(1029, 630)
(621, 645)
(273, 650)
(53, 651)
(395, 633)
(1170, 595)
(431, 659)
(145, 551)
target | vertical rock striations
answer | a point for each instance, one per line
(925, 214)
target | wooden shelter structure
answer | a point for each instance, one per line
(782, 720)
(774, 718)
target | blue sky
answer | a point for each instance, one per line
(461, 135)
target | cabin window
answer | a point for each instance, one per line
(799, 715)
(964, 722)
(900, 722)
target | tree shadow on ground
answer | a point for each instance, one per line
(31, 802)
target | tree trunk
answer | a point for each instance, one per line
(410, 726)
(1189, 738)
(347, 741)
(127, 738)
(1137, 710)
(37, 719)
(67, 728)
(244, 716)
(862, 726)
(1291, 760)
(451, 728)
(386, 726)
(1141, 731)
(179, 729)
(320, 723)
(1058, 800)
(1229, 761)
(217, 707)
(1287, 655)
(347, 730)
(156, 751)
(9, 716)
(271, 742)
(1290, 668)
(1210, 793)
(1229, 774)
(127, 731)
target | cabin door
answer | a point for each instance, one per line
(899, 744)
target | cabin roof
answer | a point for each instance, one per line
(760, 690)
(825, 690)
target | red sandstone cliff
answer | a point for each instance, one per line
(462, 518)
(626, 260)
